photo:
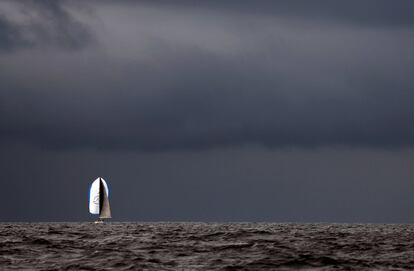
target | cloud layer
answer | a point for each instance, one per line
(153, 76)
(35, 24)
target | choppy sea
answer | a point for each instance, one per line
(205, 246)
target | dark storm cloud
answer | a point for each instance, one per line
(184, 76)
(40, 24)
(9, 36)
(303, 109)
(370, 12)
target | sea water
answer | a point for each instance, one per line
(205, 246)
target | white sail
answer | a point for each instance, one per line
(98, 198)
(94, 197)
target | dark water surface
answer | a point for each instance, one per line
(205, 246)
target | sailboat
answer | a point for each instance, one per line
(98, 200)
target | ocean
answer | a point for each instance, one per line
(205, 246)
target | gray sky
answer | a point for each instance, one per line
(215, 111)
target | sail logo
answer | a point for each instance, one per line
(96, 200)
